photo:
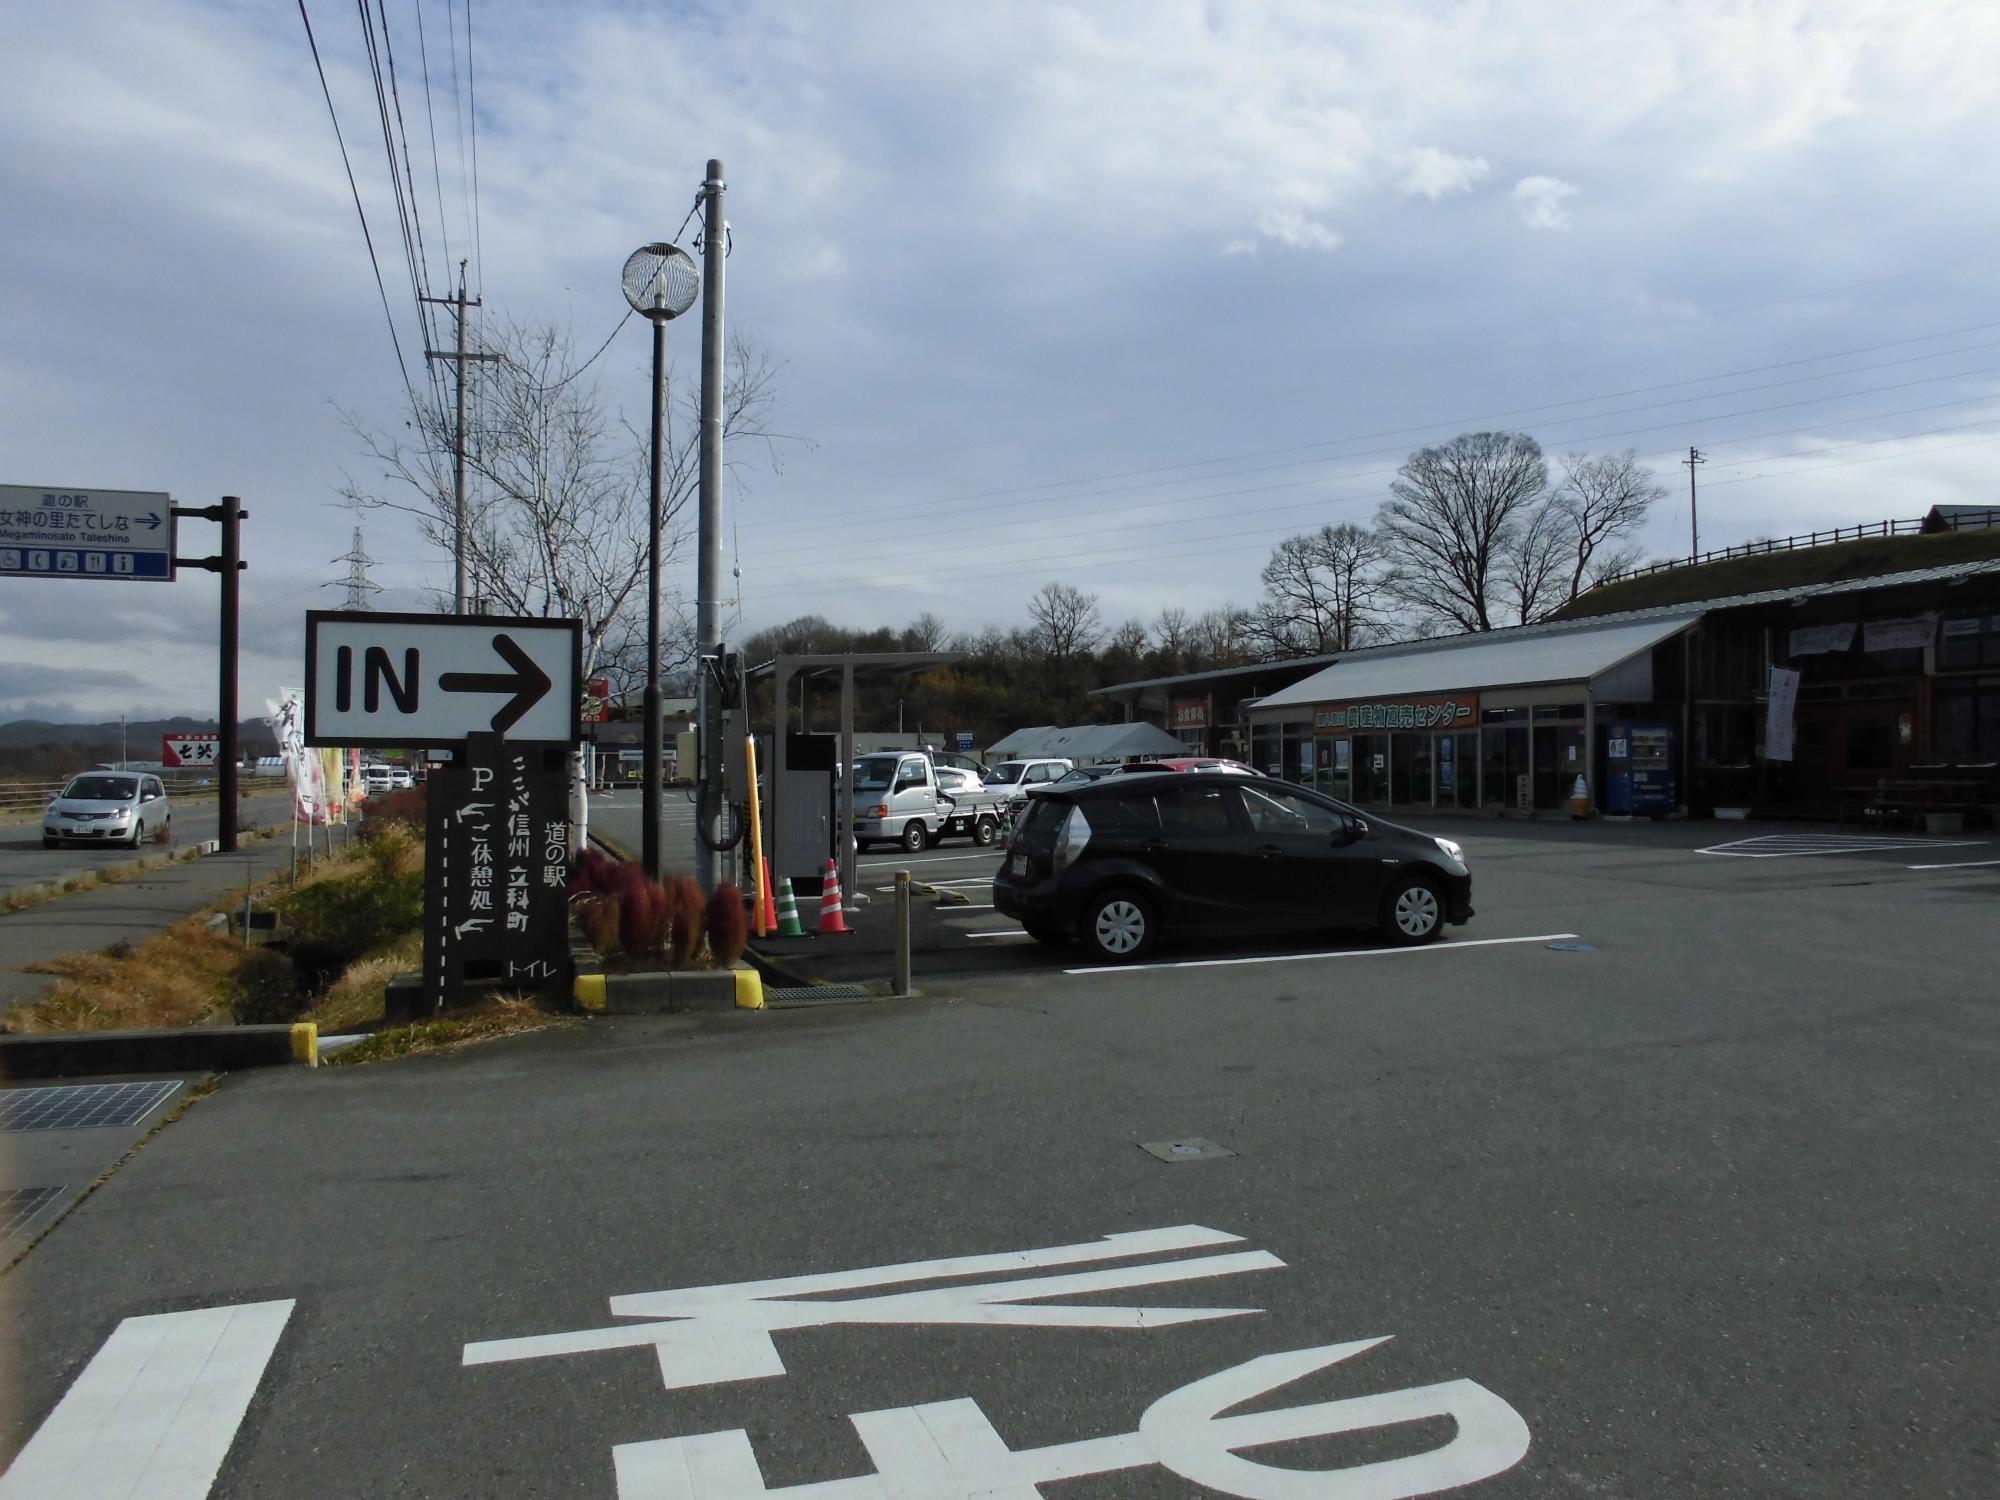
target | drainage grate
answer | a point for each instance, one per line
(80, 1106)
(1194, 1148)
(816, 994)
(19, 1206)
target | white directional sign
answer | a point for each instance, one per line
(63, 532)
(390, 679)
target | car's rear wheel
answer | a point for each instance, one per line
(1413, 912)
(985, 831)
(914, 836)
(1119, 927)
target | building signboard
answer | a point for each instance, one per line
(190, 748)
(1189, 713)
(1426, 711)
(125, 536)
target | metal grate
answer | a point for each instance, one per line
(816, 994)
(80, 1106)
(19, 1206)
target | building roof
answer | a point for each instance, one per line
(1491, 659)
(1277, 664)
(1086, 742)
(1869, 562)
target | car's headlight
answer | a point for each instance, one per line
(1451, 849)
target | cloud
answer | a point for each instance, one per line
(1543, 202)
(1428, 172)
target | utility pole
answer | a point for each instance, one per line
(1694, 521)
(458, 357)
(708, 565)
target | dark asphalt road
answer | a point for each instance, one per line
(1709, 1209)
(23, 860)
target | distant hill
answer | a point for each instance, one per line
(36, 750)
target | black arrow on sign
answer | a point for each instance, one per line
(527, 682)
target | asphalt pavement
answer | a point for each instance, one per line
(23, 860)
(1699, 1203)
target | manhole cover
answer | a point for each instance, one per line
(19, 1206)
(81, 1106)
(1193, 1148)
(1574, 947)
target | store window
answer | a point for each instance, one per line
(1264, 750)
(1972, 642)
(1965, 720)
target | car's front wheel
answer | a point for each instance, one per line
(1119, 927)
(1412, 912)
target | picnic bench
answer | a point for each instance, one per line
(1925, 789)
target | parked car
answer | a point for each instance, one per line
(1012, 777)
(1126, 860)
(1191, 763)
(901, 797)
(1075, 776)
(107, 807)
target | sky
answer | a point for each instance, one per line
(1119, 294)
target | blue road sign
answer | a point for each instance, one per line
(126, 536)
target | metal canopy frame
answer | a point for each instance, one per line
(846, 668)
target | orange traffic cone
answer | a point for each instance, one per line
(830, 919)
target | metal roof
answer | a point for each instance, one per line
(1084, 742)
(1491, 659)
(1276, 664)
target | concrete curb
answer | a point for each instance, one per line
(655, 991)
(177, 1049)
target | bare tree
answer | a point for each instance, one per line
(1453, 513)
(1219, 638)
(1320, 590)
(1173, 632)
(1067, 623)
(1530, 569)
(1603, 502)
(560, 490)
(926, 633)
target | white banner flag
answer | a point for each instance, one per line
(1778, 717)
(303, 767)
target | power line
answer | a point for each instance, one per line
(366, 237)
(430, 116)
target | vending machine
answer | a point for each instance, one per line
(1639, 770)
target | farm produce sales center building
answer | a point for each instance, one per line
(1895, 670)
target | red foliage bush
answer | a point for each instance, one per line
(598, 916)
(641, 918)
(405, 806)
(591, 873)
(728, 931)
(686, 903)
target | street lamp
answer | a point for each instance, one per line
(661, 283)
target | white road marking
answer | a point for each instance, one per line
(999, 932)
(874, 862)
(950, 1450)
(154, 1412)
(970, 906)
(1297, 958)
(706, 1335)
(1798, 845)
(1963, 864)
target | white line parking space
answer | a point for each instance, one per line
(1299, 958)
(1799, 845)
(1963, 864)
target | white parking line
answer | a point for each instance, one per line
(1795, 846)
(884, 862)
(1007, 932)
(1298, 958)
(1963, 864)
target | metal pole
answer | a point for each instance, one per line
(650, 809)
(232, 563)
(902, 932)
(458, 587)
(708, 567)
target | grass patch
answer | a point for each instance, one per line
(354, 1002)
(498, 1017)
(173, 978)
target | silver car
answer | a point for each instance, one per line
(107, 807)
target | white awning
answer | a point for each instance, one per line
(1496, 659)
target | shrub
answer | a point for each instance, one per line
(591, 873)
(598, 916)
(644, 919)
(727, 931)
(267, 990)
(405, 807)
(342, 917)
(686, 903)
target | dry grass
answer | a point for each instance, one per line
(174, 978)
(355, 1000)
(501, 1016)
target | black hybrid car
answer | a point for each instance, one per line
(1118, 864)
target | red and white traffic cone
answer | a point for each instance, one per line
(830, 919)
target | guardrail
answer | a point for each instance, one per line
(33, 796)
(1805, 541)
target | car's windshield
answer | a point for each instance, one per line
(873, 773)
(103, 788)
(1006, 775)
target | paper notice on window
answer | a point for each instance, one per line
(1778, 716)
